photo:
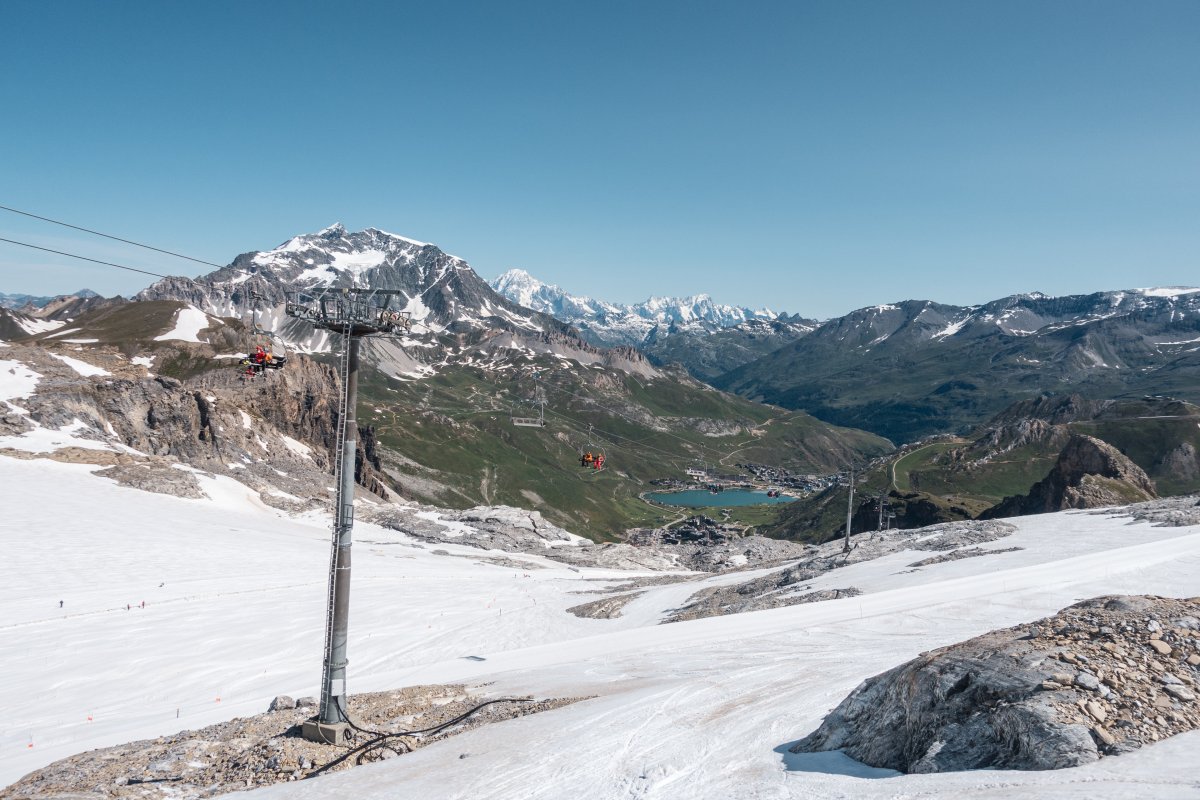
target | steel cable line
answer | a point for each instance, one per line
(473, 409)
(606, 433)
(109, 236)
(627, 418)
(599, 433)
(85, 258)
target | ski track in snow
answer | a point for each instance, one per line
(701, 709)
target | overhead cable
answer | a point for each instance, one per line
(627, 418)
(110, 236)
(85, 258)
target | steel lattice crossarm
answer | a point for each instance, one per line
(356, 312)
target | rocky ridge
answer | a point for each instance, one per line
(792, 584)
(274, 433)
(1099, 678)
(516, 530)
(1089, 473)
(916, 368)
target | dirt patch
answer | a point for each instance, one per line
(607, 608)
(956, 555)
(771, 591)
(266, 749)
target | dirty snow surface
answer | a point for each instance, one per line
(234, 612)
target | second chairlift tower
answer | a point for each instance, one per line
(352, 313)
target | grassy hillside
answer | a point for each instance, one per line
(958, 478)
(907, 389)
(452, 441)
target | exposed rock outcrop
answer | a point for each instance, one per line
(913, 509)
(1182, 463)
(275, 433)
(1099, 678)
(1089, 473)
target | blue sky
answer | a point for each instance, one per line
(810, 157)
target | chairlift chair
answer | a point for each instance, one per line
(592, 455)
(539, 399)
(264, 357)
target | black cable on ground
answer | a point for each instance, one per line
(381, 736)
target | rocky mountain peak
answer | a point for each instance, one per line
(335, 231)
(437, 289)
(453, 308)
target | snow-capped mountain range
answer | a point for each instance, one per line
(1019, 315)
(1040, 342)
(454, 310)
(619, 324)
(440, 291)
(905, 370)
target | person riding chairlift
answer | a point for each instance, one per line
(599, 462)
(258, 361)
(587, 460)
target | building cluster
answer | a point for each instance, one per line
(778, 476)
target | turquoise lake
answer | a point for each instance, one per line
(730, 497)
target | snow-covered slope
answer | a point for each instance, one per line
(617, 324)
(234, 607)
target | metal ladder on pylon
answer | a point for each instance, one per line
(339, 460)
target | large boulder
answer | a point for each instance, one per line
(1099, 678)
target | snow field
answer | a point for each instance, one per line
(701, 709)
(189, 322)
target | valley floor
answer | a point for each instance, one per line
(234, 612)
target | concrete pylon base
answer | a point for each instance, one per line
(326, 732)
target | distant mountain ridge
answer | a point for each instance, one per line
(618, 323)
(913, 368)
(29, 301)
(25, 315)
(706, 338)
